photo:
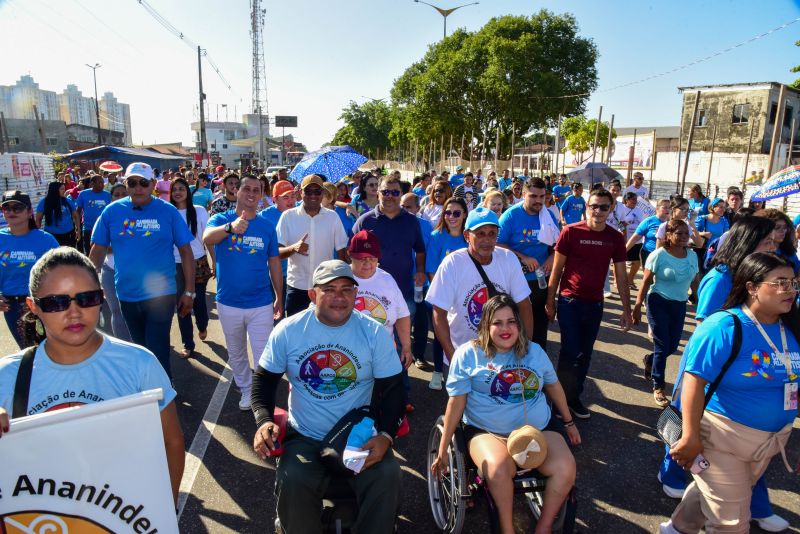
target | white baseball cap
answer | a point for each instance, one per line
(139, 169)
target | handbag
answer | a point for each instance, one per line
(332, 446)
(670, 423)
(202, 270)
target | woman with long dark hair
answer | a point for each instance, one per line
(58, 215)
(196, 219)
(367, 198)
(783, 235)
(21, 244)
(749, 417)
(70, 353)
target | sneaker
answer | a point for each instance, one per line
(436, 381)
(660, 398)
(773, 523)
(422, 365)
(672, 493)
(667, 528)
(647, 361)
(244, 402)
(579, 410)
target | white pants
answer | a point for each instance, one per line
(237, 325)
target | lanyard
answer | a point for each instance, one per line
(783, 356)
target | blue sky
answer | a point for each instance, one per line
(320, 54)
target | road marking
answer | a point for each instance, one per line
(194, 456)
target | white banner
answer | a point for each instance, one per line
(30, 173)
(92, 469)
(643, 149)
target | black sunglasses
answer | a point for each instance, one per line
(59, 303)
(390, 193)
(601, 207)
(14, 207)
(132, 182)
(438, 190)
(453, 213)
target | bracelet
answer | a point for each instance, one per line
(387, 436)
(569, 423)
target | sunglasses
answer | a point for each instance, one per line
(453, 213)
(438, 190)
(312, 192)
(601, 207)
(15, 207)
(390, 193)
(60, 303)
(133, 182)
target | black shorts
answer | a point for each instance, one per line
(635, 252)
(643, 256)
(555, 425)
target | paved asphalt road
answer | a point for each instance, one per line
(231, 488)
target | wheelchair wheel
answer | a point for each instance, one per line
(565, 520)
(448, 495)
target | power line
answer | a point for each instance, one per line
(180, 35)
(686, 65)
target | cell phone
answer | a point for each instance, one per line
(699, 465)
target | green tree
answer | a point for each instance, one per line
(512, 74)
(796, 83)
(366, 126)
(579, 135)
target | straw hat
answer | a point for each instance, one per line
(528, 447)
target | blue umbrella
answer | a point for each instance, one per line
(781, 184)
(334, 162)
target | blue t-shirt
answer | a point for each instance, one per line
(673, 276)
(648, 229)
(439, 246)
(142, 239)
(202, 196)
(456, 180)
(243, 279)
(331, 370)
(796, 220)
(503, 183)
(399, 237)
(573, 209)
(419, 191)
(713, 291)
(561, 190)
(347, 222)
(701, 207)
(65, 224)
(716, 229)
(18, 253)
(116, 369)
(752, 391)
(519, 231)
(273, 215)
(92, 205)
(495, 387)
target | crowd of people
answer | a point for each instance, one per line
(342, 286)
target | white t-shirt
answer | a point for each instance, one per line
(629, 218)
(458, 288)
(662, 231)
(640, 191)
(432, 213)
(379, 298)
(198, 251)
(325, 234)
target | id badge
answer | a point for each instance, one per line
(790, 396)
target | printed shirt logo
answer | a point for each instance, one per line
(764, 365)
(140, 227)
(35, 522)
(17, 258)
(512, 385)
(475, 303)
(248, 244)
(99, 204)
(529, 235)
(372, 307)
(328, 372)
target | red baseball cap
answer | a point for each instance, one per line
(365, 244)
(220, 168)
(282, 187)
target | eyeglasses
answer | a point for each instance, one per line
(390, 193)
(601, 207)
(453, 213)
(438, 190)
(13, 207)
(785, 285)
(312, 192)
(59, 303)
(133, 182)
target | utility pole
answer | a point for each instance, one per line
(259, 75)
(689, 142)
(777, 131)
(203, 145)
(96, 102)
(445, 12)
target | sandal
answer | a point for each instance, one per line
(660, 398)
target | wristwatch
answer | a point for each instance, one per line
(189, 294)
(228, 228)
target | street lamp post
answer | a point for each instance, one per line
(445, 12)
(96, 102)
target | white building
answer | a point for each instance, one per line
(115, 115)
(17, 101)
(218, 140)
(76, 108)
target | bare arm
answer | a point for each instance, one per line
(403, 327)
(555, 392)
(276, 274)
(552, 288)
(97, 255)
(686, 449)
(452, 415)
(38, 218)
(214, 235)
(635, 238)
(173, 442)
(647, 281)
(441, 328)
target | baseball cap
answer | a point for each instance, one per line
(219, 168)
(311, 179)
(637, 174)
(331, 270)
(481, 217)
(281, 188)
(365, 244)
(459, 168)
(16, 196)
(139, 169)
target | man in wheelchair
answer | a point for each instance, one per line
(336, 361)
(496, 383)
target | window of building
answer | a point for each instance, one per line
(741, 113)
(224, 147)
(787, 117)
(51, 141)
(773, 111)
(702, 120)
(13, 141)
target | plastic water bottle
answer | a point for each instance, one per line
(540, 277)
(417, 294)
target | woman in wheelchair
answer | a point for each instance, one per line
(495, 385)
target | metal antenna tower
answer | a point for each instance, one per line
(260, 108)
